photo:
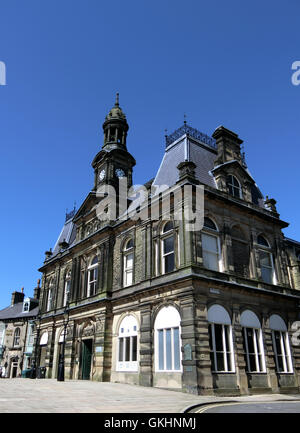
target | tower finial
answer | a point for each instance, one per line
(184, 117)
(117, 100)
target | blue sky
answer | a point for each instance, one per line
(219, 62)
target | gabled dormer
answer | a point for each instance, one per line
(230, 170)
(29, 304)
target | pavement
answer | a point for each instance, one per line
(50, 396)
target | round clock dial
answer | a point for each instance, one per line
(102, 175)
(120, 172)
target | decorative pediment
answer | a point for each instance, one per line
(233, 167)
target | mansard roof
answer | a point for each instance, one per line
(188, 145)
(67, 234)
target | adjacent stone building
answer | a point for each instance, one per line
(17, 328)
(146, 301)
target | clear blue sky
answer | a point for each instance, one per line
(219, 62)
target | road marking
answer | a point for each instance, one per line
(212, 406)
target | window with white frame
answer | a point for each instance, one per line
(17, 337)
(92, 277)
(128, 259)
(281, 345)
(253, 342)
(67, 288)
(266, 261)
(234, 186)
(220, 337)
(210, 245)
(167, 340)
(50, 295)
(127, 345)
(168, 248)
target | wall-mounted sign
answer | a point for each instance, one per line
(216, 291)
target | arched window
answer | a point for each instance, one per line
(281, 345)
(262, 241)
(43, 348)
(127, 345)
(89, 229)
(67, 288)
(128, 261)
(266, 261)
(168, 248)
(17, 337)
(167, 340)
(220, 338)
(234, 186)
(210, 245)
(50, 295)
(92, 277)
(253, 343)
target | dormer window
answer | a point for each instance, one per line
(26, 307)
(234, 186)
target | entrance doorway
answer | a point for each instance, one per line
(14, 369)
(86, 358)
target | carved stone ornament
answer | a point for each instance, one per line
(99, 325)
(88, 330)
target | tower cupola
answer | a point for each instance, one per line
(115, 128)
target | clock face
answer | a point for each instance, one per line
(119, 172)
(102, 174)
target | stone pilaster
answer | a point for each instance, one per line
(202, 349)
(146, 349)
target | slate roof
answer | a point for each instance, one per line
(68, 234)
(187, 148)
(292, 241)
(16, 311)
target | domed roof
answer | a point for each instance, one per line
(116, 112)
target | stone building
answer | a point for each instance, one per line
(17, 328)
(146, 301)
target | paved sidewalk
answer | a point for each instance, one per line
(49, 396)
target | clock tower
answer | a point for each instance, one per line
(114, 161)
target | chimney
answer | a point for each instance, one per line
(228, 145)
(37, 290)
(17, 297)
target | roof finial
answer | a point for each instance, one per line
(184, 117)
(117, 100)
